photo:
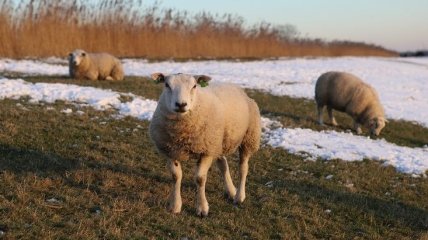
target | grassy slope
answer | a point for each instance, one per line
(93, 162)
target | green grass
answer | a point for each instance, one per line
(107, 181)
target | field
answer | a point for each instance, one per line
(74, 169)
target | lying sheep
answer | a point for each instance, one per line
(207, 124)
(94, 66)
(347, 93)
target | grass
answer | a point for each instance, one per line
(29, 28)
(92, 176)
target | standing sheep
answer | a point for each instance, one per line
(94, 66)
(207, 124)
(347, 93)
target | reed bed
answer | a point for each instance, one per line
(46, 28)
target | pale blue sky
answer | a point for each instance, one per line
(394, 24)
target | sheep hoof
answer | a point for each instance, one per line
(174, 209)
(202, 212)
(231, 194)
(202, 208)
(239, 198)
(228, 196)
(109, 78)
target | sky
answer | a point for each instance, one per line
(399, 25)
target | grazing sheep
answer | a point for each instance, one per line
(347, 93)
(94, 66)
(192, 121)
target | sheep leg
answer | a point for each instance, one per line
(92, 76)
(175, 195)
(320, 110)
(117, 72)
(331, 117)
(228, 184)
(357, 127)
(244, 157)
(204, 165)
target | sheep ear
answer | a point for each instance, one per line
(202, 80)
(384, 119)
(158, 77)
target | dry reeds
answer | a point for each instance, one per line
(130, 29)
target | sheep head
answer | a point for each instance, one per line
(180, 90)
(376, 125)
(76, 57)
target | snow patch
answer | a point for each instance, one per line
(346, 146)
(86, 96)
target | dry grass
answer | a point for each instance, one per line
(130, 29)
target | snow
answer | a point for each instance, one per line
(402, 83)
(48, 92)
(139, 108)
(346, 146)
(33, 67)
(402, 86)
(416, 60)
(97, 98)
(67, 111)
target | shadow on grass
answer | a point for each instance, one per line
(20, 160)
(389, 213)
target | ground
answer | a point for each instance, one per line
(91, 175)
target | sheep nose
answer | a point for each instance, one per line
(180, 105)
(374, 134)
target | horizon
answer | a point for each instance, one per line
(394, 25)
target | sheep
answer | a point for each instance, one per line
(94, 66)
(206, 123)
(347, 93)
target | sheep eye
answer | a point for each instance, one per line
(83, 54)
(167, 85)
(194, 86)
